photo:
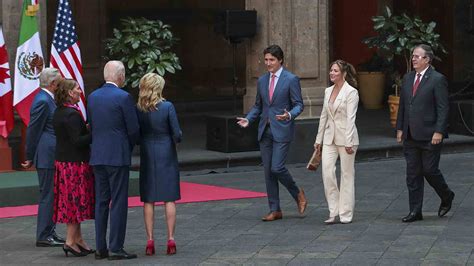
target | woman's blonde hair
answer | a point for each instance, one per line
(61, 94)
(151, 89)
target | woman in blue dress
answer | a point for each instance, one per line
(159, 173)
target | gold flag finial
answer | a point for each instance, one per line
(32, 10)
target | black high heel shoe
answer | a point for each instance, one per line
(84, 250)
(68, 249)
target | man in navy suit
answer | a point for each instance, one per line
(277, 104)
(40, 147)
(114, 126)
(421, 125)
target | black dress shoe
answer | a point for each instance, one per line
(121, 255)
(58, 238)
(101, 254)
(49, 242)
(412, 217)
(446, 205)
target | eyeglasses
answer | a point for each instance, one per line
(417, 56)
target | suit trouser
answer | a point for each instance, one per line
(423, 161)
(111, 186)
(45, 225)
(274, 157)
(341, 200)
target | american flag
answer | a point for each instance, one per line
(65, 53)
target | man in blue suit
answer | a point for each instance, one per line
(277, 104)
(114, 126)
(40, 148)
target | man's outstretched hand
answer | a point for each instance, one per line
(27, 164)
(243, 122)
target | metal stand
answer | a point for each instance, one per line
(234, 77)
(234, 43)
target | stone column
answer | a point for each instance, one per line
(300, 28)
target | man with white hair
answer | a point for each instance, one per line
(114, 126)
(40, 148)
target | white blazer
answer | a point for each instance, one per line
(339, 127)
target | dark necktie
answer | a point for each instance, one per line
(417, 83)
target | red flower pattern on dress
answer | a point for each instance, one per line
(74, 195)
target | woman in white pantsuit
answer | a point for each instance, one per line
(338, 134)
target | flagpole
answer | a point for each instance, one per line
(26, 82)
(6, 107)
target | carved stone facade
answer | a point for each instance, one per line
(300, 28)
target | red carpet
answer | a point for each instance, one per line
(190, 192)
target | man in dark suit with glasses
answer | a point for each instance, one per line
(421, 125)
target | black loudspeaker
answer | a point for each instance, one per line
(224, 135)
(236, 24)
(461, 117)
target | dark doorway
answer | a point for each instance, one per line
(205, 56)
(351, 22)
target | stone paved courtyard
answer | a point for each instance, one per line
(230, 232)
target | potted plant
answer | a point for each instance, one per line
(143, 46)
(371, 79)
(394, 99)
(397, 35)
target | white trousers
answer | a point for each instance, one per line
(341, 200)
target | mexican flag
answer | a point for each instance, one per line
(29, 62)
(6, 94)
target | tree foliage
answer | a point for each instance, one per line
(399, 34)
(143, 46)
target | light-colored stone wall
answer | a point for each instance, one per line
(300, 28)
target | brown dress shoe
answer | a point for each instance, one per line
(302, 203)
(272, 216)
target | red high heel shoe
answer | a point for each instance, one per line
(150, 248)
(171, 249)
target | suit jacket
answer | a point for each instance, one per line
(160, 124)
(72, 136)
(40, 138)
(339, 127)
(286, 95)
(114, 126)
(427, 111)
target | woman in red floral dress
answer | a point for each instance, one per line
(73, 180)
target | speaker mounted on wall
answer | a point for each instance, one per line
(236, 25)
